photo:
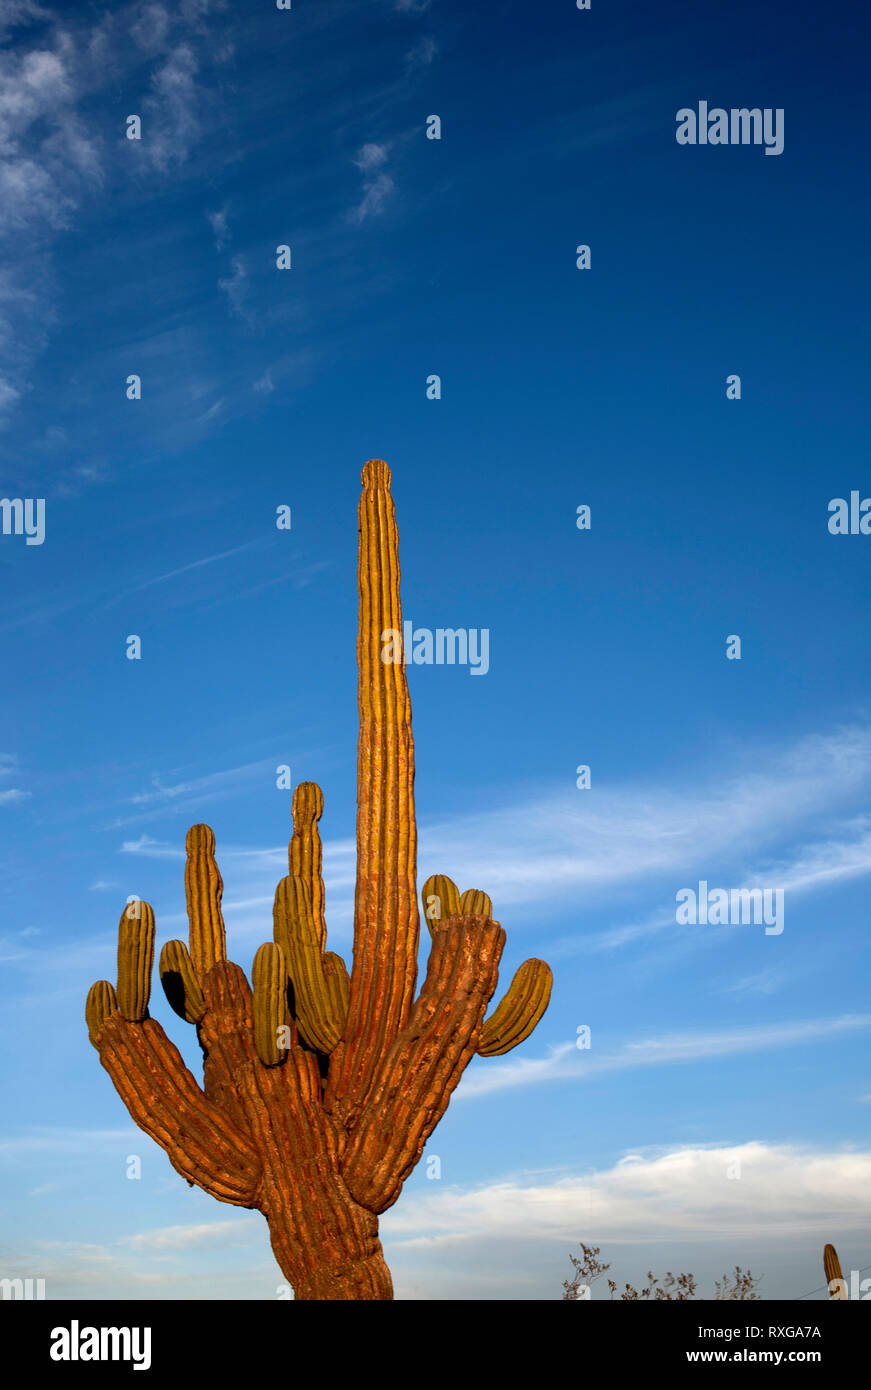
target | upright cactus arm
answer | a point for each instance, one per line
(203, 888)
(319, 1008)
(834, 1278)
(427, 1059)
(386, 923)
(305, 852)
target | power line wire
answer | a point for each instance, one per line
(825, 1286)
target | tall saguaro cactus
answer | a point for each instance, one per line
(319, 1090)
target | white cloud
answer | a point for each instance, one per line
(235, 286)
(377, 183)
(370, 156)
(795, 1193)
(210, 1234)
(152, 849)
(151, 28)
(202, 788)
(567, 1062)
(16, 12)
(59, 1140)
(172, 112)
(218, 224)
(54, 153)
(421, 54)
(556, 846)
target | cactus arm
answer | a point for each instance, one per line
(519, 1011)
(269, 980)
(338, 983)
(204, 887)
(426, 1061)
(386, 923)
(135, 959)
(440, 897)
(528, 995)
(163, 1098)
(316, 1001)
(305, 853)
(180, 983)
(102, 1001)
(834, 1277)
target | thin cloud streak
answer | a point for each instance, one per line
(566, 1062)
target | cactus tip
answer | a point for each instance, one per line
(375, 472)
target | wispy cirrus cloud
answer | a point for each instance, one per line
(378, 184)
(54, 154)
(9, 769)
(183, 569)
(616, 837)
(421, 54)
(218, 223)
(235, 287)
(566, 1062)
(16, 12)
(212, 1235)
(643, 841)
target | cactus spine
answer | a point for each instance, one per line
(321, 1088)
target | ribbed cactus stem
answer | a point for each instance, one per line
(204, 887)
(180, 983)
(520, 1010)
(269, 981)
(338, 987)
(305, 852)
(834, 1278)
(440, 898)
(386, 922)
(315, 997)
(135, 959)
(474, 903)
(101, 1002)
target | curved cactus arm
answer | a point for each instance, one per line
(420, 1073)
(316, 999)
(203, 888)
(201, 1141)
(180, 983)
(386, 923)
(519, 1011)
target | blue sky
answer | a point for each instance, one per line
(711, 1045)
